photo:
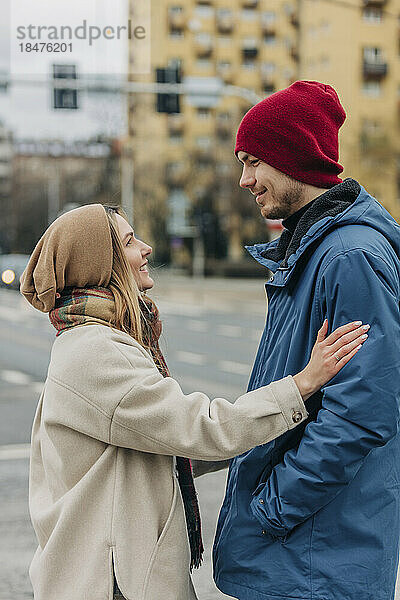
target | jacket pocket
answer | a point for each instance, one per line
(262, 519)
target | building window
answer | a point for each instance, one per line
(269, 17)
(372, 55)
(372, 89)
(248, 65)
(203, 142)
(371, 127)
(372, 14)
(223, 65)
(249, 14)
(325, 27)
(269, 88)
(269, 38)
(204, 10)
(175, 10)
(176, 34)
(204, 64)
(268, 68)
(203, 113)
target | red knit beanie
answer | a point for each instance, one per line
(296, 131)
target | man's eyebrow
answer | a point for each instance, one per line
(243, 159)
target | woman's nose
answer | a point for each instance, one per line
(147, 250)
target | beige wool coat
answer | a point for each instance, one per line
(103, 488)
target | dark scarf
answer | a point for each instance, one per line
(78, 307)
(334, 201)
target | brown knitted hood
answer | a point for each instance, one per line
(75, 251)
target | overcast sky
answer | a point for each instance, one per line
(26, 110)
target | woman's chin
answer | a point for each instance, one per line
(146, 283)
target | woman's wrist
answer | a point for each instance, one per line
(303, 382)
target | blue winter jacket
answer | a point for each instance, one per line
(314, 515)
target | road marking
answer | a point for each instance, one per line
(194, 325)
(15, 377)
(234, 367)
(230, 331)
(191, 358)
(15, 451)
(20, 378)
(173, 308)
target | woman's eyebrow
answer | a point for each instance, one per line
(127, 234)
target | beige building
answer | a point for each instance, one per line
(184, 164)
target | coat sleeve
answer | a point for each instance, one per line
(156, 416)
(111, 390)
(360, 405)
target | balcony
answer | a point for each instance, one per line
(176, 20)
(268, 25)
(223, 126)
(6, 151)
(249, 49)
(225, 71)
(176, 173)
(294, 19)
(268, 82)
(203, 45)
(175, 124)
(225, 21)
(374, 69)
(377, 3)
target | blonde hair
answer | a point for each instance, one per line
(123, 284)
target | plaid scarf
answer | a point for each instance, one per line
(79, 306)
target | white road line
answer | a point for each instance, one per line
(230, 331)
(173, 308)
(234, 367)
(191, 358)
(15, 451)
(195, 325)
(15, 377)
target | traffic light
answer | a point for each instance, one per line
(168, 103)
(66, 98)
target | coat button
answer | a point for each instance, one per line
(264, 532)
(261, 501)
(297, 416)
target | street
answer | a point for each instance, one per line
(211, 332)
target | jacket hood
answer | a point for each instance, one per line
(347, 203)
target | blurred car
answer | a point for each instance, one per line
(11, 269)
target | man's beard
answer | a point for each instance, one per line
(285, 204)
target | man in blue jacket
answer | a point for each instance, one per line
(314, 515)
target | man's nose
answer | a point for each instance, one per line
(247, 179)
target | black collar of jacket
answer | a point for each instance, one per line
(330, 203)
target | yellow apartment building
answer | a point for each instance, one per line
(183, 163)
